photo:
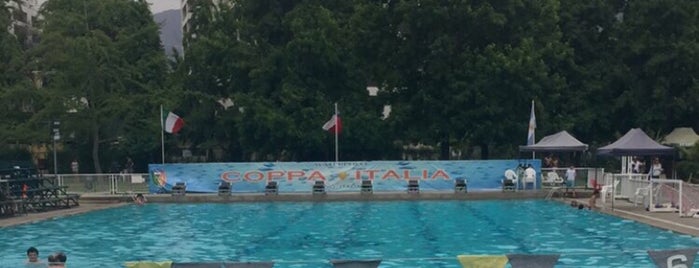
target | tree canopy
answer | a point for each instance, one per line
(258, 78)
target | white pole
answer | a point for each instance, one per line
(337, 155)
(680, 199)
(162, 135)
(534, 130)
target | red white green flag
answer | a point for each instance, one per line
(334, 125)
(172, 123)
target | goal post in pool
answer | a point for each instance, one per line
(673, 196)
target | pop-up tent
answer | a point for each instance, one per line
(635, 143)
(682, 136)
(559, 142)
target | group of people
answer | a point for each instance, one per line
(551, 161)
(638, 166)
(55, 260)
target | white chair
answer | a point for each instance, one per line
(642, 193)
(553, 178)
(608, 190)
(529, 177)
(510, 181)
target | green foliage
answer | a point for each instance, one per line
(688, 166)
(104, 65)
(459, 75)
(17, 97)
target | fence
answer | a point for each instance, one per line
(103, 183)
(584, 177)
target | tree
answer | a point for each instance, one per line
(106, 66)
(467, 68)
(658, 45)
(284, 64)
(17, 95)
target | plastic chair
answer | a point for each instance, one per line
(224, 188)
(180, 188)
(413, 186)
(319, 187)
(642, 193)
(460, 186)
(271, 188)
(367, 187)
(553, 177)
(607, 189)
(508, 185)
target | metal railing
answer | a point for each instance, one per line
(584, 177)
(113, 183)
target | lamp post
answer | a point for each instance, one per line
(56, 136)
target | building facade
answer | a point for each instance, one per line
(24, 15)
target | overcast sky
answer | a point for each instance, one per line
(161, 5)
(156, 5)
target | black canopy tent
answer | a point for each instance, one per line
(559, 142)
(635, 143)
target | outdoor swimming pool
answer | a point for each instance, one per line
(307, 234)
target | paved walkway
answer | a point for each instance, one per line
(34, 217)
(664, 220)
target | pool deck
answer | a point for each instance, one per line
(84, 207)
(623, 209)
(664, 220)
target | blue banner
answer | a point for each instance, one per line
(295, 177)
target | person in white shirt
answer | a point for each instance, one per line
(570, 176)
(636, 165)
(529, 175)
(656, 169)
(570, 179)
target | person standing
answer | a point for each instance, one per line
(128, 166)
(74, 166)
(636, 165)
(656, 169)
(570, 179)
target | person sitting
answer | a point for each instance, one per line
(139, 199)
(57, 260)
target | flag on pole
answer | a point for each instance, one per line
(532, 126)
(172, 123)
(334, 125)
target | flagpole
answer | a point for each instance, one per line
(337, 155)
(534, 134)
(162, 136)
(532, 116)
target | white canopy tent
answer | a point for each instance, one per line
(681, 136)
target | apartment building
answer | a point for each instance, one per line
(24, 15)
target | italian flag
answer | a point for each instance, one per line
(334, 125)
(172, 123)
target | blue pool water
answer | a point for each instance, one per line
(307, 234)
